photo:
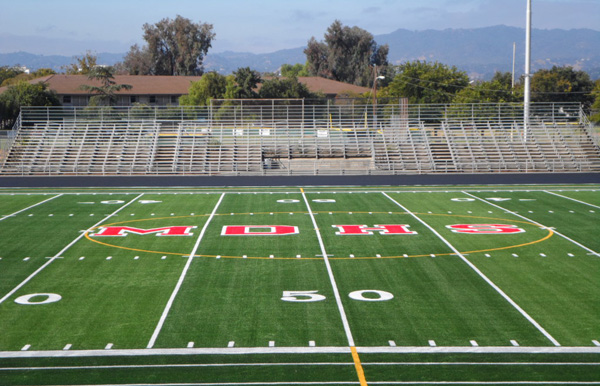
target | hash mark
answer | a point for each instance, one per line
(392, 343)
(271, 343)
(163, 258)
(474, 343)
(67, 347)
(108, 346)
(26, 347)
(311, 343)
(514, 343)
(190, 345)
(432, 343)
(570, 255)
(378, 256)
(231, 344)
(596, 343)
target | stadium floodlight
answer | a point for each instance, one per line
(527, 100)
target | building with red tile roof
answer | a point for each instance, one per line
(166, 90)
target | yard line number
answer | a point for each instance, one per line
(314, 296)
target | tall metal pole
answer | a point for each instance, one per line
(527, 101)
(375, 97)
(512, 84)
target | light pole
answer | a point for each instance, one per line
(527, 100)
(375, 78)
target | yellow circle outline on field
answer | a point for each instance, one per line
(550, 234)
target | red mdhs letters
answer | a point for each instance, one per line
(485, 228)
(164, 231)
(259, 230)
(395, 229)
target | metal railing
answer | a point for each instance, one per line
(292, 137)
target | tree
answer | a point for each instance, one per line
(22, 76)
(24, 94)
(136, 62)
(7, 72)
(210, 86)
(105, 94)
(423, 82)
(596, 105)
(284, 88)
(247, 81)
(497, 90)
(348, 55)
(296, 70)
(176, 47)
(562, 84)
(83, 65)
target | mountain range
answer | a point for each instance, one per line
(480, 52)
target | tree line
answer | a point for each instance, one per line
(347, 54)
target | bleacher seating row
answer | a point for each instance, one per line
(154, 147)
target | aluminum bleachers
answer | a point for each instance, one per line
(292, 139)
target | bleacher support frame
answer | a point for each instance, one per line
(290, 137)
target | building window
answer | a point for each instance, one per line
(174, 99)
(133, 99)
(152, 99)
(66, 99)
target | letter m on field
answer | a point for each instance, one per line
(121, 231)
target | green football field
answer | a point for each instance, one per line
(428, 285)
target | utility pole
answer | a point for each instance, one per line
(513, 67)
(527, 101)
(375, 78)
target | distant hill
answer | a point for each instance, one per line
(480, 52)
(55, 62)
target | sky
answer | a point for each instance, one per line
(72, 27)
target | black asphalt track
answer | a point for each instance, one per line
(366, 180)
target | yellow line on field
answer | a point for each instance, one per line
(359, 369)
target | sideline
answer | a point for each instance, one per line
(300, 350)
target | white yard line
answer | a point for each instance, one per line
(357, 383)
(477, 383)
(163, 317)
(229, 384)
(178, 365)
(572, 199)
(58, 255)
(29, 207)
(336, 292)
(481, 274)
(300, 350)
(536, 223)
(287, 364)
